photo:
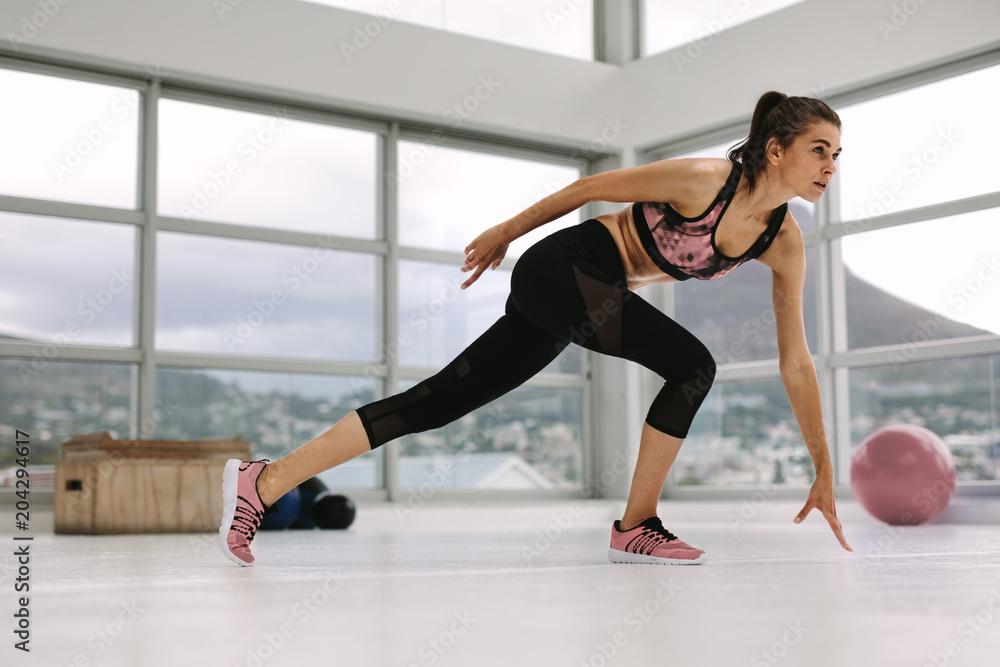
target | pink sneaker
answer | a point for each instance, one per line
(242, 509)
(650, 542)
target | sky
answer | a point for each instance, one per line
(227, 166)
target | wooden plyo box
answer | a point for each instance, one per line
(106, 486)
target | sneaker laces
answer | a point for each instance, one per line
(660, 533)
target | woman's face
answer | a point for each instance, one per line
(809, 164)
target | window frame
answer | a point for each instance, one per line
(153, 86)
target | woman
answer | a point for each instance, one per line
(576, 285)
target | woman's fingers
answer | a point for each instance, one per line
(474, 277)
(838, 530)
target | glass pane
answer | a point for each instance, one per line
(734, 315)
(745, 433)
(803, 211)
(942, 153)
(53, 400)
(245, 297)
(554, 26)
(954, 398)
(68, 141)
(670, 23)
(437, 320)
(447, 197)
(268, 170)
(529, 438)
(923, 281)
(275, 412)
(66, 282)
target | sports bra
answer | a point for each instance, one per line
(685, 247)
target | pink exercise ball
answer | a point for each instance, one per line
(903, 474)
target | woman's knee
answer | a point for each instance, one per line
(703, 366)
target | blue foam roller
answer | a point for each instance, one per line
(308, 490)
(288, 511)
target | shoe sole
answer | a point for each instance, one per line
(230, 486)
(616, 556)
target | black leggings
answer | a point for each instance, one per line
(570, 287)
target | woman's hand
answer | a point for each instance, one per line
(821, 498)
(486, 250)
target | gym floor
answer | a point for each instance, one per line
(521, 584)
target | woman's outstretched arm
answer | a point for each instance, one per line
(661, 181)
(798, 374)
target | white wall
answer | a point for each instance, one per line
(814, 48)
(406, 70)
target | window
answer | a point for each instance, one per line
(957, 399)
(437, 319)
(924, 281)
(249, 298)
(68, 141)
(66, 282)
(734, 315)
(944, 152)
(448, 197)
(529, 439)
(745, 433)
(52, 400)
(269, 170)
(275, 412)
(561, 27)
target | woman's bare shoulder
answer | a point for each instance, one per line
(788, 248)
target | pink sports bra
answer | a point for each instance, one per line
(685, 247)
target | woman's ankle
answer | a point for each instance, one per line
(628, 522)
(265, 488)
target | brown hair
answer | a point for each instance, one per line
(780, 117)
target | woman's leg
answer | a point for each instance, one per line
(340, 443)
(604, 316)
(655, 341)
(657, 452)
(502, 358)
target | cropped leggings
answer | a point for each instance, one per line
(570, 287)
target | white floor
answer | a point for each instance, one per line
(528, 585)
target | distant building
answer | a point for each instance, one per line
(487, 470)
